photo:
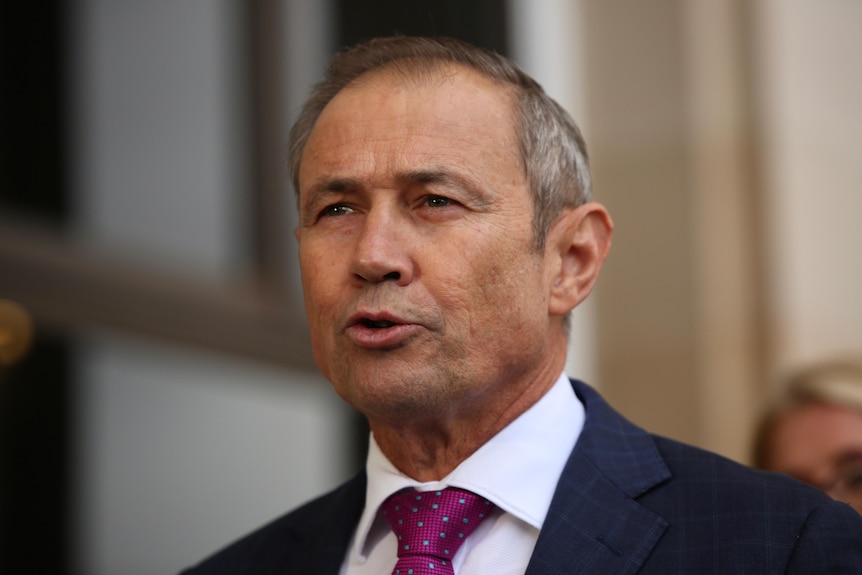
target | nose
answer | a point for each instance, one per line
(382, 250)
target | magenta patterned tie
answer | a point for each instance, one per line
(431, 526)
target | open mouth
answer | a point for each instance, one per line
(376, 324)
(380, 330)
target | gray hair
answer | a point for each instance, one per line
(551, 145)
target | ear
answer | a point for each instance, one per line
(577, 245)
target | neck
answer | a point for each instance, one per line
(429, 448)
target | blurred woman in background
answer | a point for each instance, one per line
(814, 432)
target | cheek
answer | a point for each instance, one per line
(321, 300)
(317, 273)
(320, 320)
(512, 284)
(500, 294)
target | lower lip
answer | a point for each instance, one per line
(381, 338)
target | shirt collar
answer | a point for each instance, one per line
(518, 469)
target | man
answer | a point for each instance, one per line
(814, 431)
(446, 231)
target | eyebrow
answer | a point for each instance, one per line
(430, 176)
(445, 178)
(848, 456)
(424, 177)
(332, 186)
(317, 192)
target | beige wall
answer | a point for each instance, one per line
(810, 59)
(724, 138)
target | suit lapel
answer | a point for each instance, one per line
(595, 524)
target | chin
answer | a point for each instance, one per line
(396, 399)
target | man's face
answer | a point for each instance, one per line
(421, 289)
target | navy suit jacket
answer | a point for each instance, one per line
(627, 502)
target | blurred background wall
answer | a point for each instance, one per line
(169, 403)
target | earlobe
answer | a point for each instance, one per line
(579, 241)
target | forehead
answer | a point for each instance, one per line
(818, 431)
(431, 74)
(448, 108)
(444, 89)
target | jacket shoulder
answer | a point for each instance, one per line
(716, 515)
(783, 524)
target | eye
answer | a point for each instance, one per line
(852, 476)
(437, 201)
(335, 210)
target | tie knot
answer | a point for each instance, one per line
(431, 526)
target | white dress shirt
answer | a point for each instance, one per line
(517, 470)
